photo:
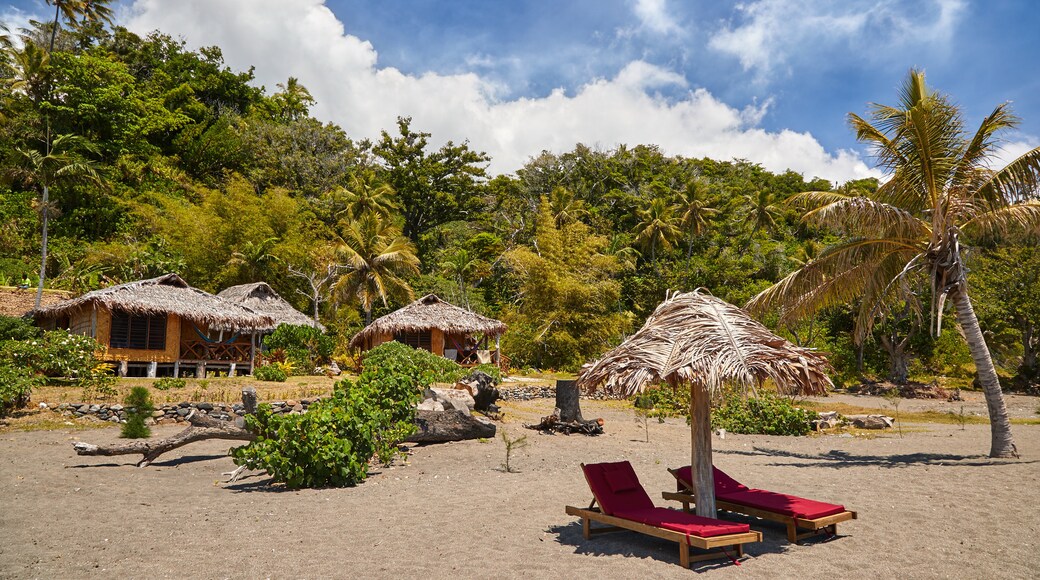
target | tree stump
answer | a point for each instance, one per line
(567, 402)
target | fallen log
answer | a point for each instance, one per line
(442, 426)
(202, 428)
(553, 424)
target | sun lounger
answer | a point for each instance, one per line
(625, 505)
(793, 511)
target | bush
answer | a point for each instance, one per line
(492, 370)
(139, 407)
(12, 328)
(55, 354)
(769, 414)
(167, 383)
(332, 443)
(16, 385)
(304, 346)
(664, 401)
(270, 373)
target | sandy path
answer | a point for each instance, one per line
(931, 506)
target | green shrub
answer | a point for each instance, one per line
(138, 408)
(332, 443)
(271, 373)
(664, 401)
(492, 370)
(55, 354)
(16, 385)
(304, 346)
(12, 328)
(167, 383)
(769, 414)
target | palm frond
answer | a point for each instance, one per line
(861, 217)
(1021, 218)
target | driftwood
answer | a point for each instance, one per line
(442, 426)
(202, 427)
(553, 424)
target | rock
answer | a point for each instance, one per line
(183, 411)
(870, 421)
(430, 405)
(44, 406)
(291, 403)
(116, 408)
(297, 408)
(457, 399)
(113, 419)
(157, 414)
(183, 404)
(205, 406)
(826, 420)
(94, 408)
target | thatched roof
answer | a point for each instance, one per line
(697, 338)
(427, 313)
(165, 294)
(260, 297)
(17, 303)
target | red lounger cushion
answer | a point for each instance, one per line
(616, 487)
(683, 522)
(723, 483)
(788, 505)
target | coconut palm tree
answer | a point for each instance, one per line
(565, 206)
(366, 195)
(376, 257)
(657, 226)
(942, 192)
(697, 212)
(61, 165)
(78, 12)
(762, 211)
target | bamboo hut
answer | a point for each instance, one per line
(162, 326)
(704, 342)
(261, 298)
(444, 329)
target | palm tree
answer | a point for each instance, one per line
(458, 266)
(78, 12)
(565, 206)
(367, 195)
(377, 257)
(762, 212)
(62, 165)
(254, 259)
(942, 191)
(657, 226)
(697, 212)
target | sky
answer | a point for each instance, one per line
(771, 81)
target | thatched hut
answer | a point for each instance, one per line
(161, 326)
(432, 324)
(261, 298)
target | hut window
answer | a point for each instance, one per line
(415, 339)
(143, 332)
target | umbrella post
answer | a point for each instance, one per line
(701, 467)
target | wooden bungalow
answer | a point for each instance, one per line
(162, 327)
(261, 298)
(432, 324)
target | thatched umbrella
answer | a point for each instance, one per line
(697, 339)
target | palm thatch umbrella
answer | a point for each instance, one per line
(697, 339)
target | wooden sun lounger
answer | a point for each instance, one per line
(825, 524)
(625, 505)
(615, 524)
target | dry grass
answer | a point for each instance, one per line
(909, 417)
(215, 390)
(45, 420)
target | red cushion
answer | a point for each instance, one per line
(683, 522)
(788, 505)
(723, 483)
(610, 501)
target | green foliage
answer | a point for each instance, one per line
(12, 328)
(270, 373)
(305, 347)
(16, 385)
(421, 363)
(57, 354)
(769, 414)
(512, 446)
(332, 443)
(664, 401)
(167, 383)
(491, 370)
(138, 408)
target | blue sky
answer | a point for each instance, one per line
(766, 80)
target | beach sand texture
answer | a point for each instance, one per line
(931, 505)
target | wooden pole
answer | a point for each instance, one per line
(700, 430)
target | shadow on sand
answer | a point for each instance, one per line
(842, 459)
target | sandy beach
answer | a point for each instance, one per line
(931, 505)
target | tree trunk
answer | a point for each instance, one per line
(1002, 444)
(1029, 348)
(43, 259)
(441, 426)
(567, 401)
(700, 431)
(898, 360)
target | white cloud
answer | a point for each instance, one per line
(772, 33)
(303, 38)
(1013, 149)
(654, 16)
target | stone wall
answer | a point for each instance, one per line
(175, 412)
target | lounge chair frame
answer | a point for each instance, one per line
(616, 524)
(826, 524)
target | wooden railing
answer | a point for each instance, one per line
(214, 351)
